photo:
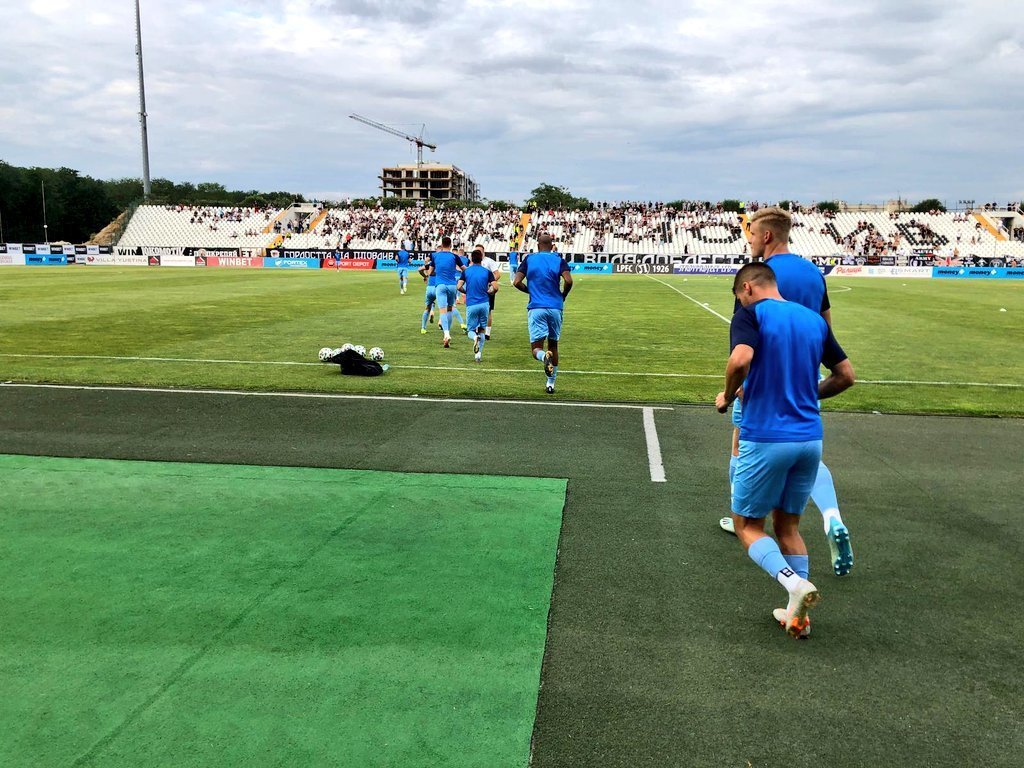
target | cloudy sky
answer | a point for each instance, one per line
(647, 99)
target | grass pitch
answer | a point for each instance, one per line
(184, 614)
(626, 338)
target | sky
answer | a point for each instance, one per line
(861, 100)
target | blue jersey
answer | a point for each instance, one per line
(513, 261)
(543, 271)
(403, 258)
(799, 280)
(431, 278)
(446, 266)
(780, 395)
(477, 278)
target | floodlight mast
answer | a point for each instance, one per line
(417, 140)
(146, 187)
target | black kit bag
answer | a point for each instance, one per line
(354, 364)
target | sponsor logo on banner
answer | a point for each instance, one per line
(643, 269)
(390, 265)
(842, 269)
(45, 260)
(272, 262)
(251, 253)
(69, 250)
(978, 273)
(121, 250)
(131, 259)
(706, 269)
(162, 250)
(93, 250)
(312, 253)
(16, 248)
(593, 269)
(102, 259)
(883, 271)
(200, 261)
(12, 259)
(177, 260)
(154, 261)
(237, 262)
(332, 263)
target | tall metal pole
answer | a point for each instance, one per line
(46, 229)
(142, 103)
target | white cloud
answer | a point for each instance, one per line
(657, 98)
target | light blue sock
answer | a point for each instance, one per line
(799, 563)
(732, 467)
(446, 321)
(824, 491)
(539, 354)
(455, 311)
(426, 314)
(481, 338)
(554, 372)
(765, 552)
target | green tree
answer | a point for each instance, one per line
(828, 205)
(931, 204)
(549, 196)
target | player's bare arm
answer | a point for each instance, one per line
(736, 371)
(839, 380)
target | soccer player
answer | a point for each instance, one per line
(778, 347)
(446, 266)
(513, 265)
(542, 272)
(403, 269)
(802, 282)
(490, 264)
(478, 283)
(430, 297)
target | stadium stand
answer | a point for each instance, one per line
(622, 228)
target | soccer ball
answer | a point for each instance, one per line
(346, 347)
(359, 349)
(337, 351)
(377, 354)
(326, 354)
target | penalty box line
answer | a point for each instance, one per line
(645, 374)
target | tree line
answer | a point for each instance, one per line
(78, 206)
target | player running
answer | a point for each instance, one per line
(446, 267)
(542, 272)
(403, 269)
(478, 283)
(492, 265)
(429, 299)
(778, 347)
(799, 281)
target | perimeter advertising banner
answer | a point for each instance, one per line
(235, 262)
(978, 273)
(576, 267)
(335, 263)
(280, 262)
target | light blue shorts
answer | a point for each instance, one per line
(431, 295)
(403, 272)
(737, 413)
(774, 476)
(544, 324)
(476, 315)
(446, 295)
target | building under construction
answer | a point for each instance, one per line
(430, 181)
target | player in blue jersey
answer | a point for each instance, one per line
(446, 266)
(799, 281)
(403, 269)
(479, 284)
(778, 348)
(548, 281)
(513, 265)
(430, 297)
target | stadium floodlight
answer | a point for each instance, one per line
(46, 229)
(142, 103)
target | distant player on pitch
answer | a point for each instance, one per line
(446, 266)
(492, 265)
(778, 347)
(403, 269)
(548, 281)
(478, 283)
(429, 298)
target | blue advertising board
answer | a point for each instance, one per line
(576, 267)
(45, 259)
(979, 273)
(391, 265)
(290, 263)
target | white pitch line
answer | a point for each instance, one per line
(332, 396)
(649, 374)
(685, 295)
(653, 447)
(407, 367)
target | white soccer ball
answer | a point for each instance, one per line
(326, 353)
(337, 351)
(377, 354)
(359, 349)
(346, 347)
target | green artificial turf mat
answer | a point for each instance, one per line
(200, 614)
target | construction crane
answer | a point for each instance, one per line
(417, 140)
